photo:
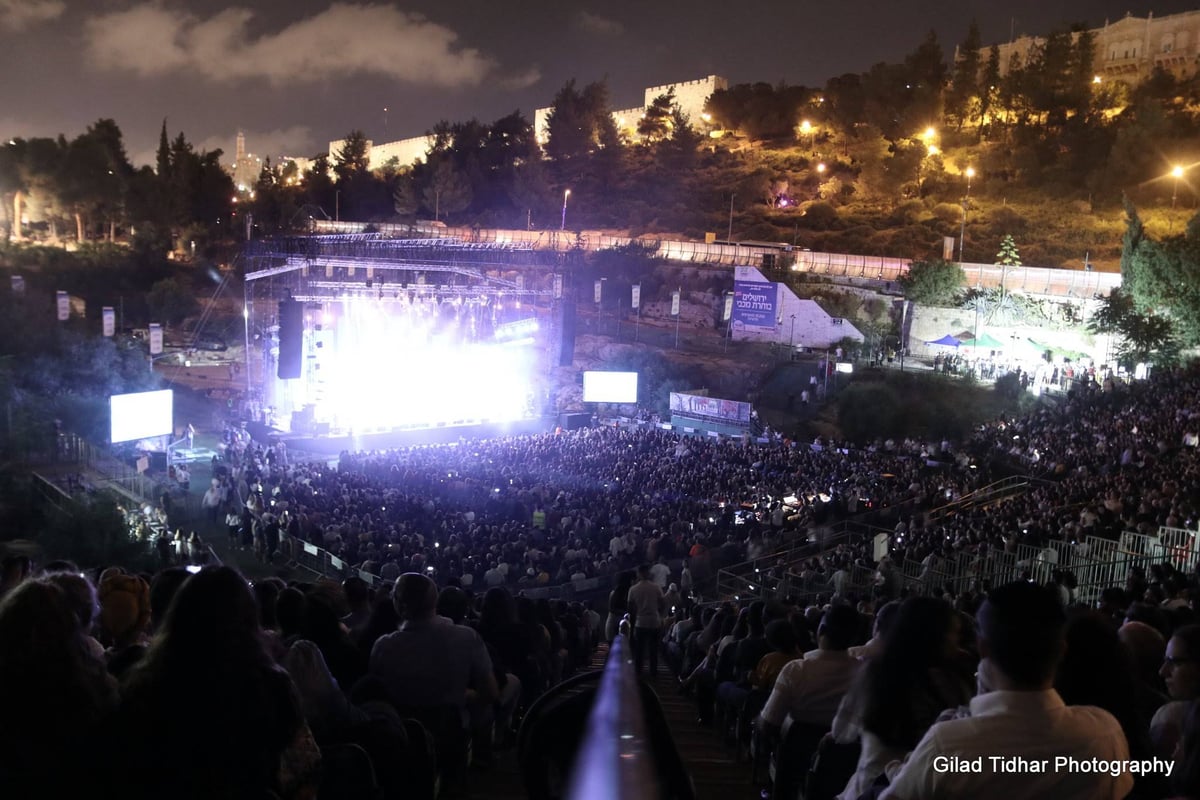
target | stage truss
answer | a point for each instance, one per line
(497, 296)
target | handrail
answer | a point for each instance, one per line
(615, 759)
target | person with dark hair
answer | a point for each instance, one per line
(162, 591)
(884, 618)
(54, 693)
(812, 687)
(1017, 718)
(358, 598)
(514, 644)
(453, 604)
(1186, 779)
(912, 678)
(322, 627)
(429, 662)
(618, 605)
(383, 620)
(207, 712)
(1098, 670)
(1181, 673)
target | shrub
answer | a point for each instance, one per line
(909, 212)
(1007, 220)
(820, 216)
(948, 212)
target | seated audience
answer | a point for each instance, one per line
(1017, 714)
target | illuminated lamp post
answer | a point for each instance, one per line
(1176, 173)
(563, 224)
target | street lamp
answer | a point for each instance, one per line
(563, 225)
(806, 129)
(1176, 173)
(962, 240)
(962, 232)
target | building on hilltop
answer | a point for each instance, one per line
(1130, 48)
(405, 152)
(246, 166)
(690, 96)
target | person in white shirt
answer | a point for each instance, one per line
(811, 688)
(1021, 740)
(647, 607)
(660, 573)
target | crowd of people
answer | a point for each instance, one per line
(147, 677)
(202, 684)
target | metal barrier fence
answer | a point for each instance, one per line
(1032, 280)
(1097, 564)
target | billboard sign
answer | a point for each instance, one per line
(694, 405)
(755, 304)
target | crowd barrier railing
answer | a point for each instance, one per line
(615, 758)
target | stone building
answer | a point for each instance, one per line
(1130, 48)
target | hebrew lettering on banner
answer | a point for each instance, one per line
(755, 304)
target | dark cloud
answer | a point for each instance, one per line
(339, 42)
(16, 15)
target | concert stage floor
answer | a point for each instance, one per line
(383, 440)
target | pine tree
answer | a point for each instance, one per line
(1008, 255)
(964, 86)
(989, 83)
(163, 160)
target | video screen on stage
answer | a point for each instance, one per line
(610, 387)
(141, 415)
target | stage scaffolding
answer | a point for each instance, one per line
(322, 271)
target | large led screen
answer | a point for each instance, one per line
(142, 415)
(610, 387)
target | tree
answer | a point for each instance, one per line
(934, 283)
(580, 122)
(964, 86)
(1144, 337)
(1164, 275)
(655, 124)
(759, 110)
(354, 156)
(171, 302)
(448, 192)
(1008, 256)
(989, 84)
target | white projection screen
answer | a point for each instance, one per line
(610, 387)
(142, 415)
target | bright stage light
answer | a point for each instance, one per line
(416, 362)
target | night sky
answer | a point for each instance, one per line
(295, 74)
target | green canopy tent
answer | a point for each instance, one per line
(984, 342)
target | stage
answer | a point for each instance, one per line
(411, 437)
